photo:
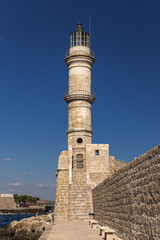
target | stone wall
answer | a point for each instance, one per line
(129, 200)
(74, 186)
(80, 196)
(7, 201)
(97, 157)
(118, 164)
(61, 202)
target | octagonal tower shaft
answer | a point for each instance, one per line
(79, 95)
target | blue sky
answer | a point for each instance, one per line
(34, 35)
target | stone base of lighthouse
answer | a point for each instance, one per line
(74, 185)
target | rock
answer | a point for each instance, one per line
(13, 224)
(24, 224)
(26, 234)
(26, 229)
(23, 233)
(47, 218)
(38, 226)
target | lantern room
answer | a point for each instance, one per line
(79, 38)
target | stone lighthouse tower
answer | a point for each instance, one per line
(83, 165)
(79, 95)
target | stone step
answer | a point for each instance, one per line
(80, 197)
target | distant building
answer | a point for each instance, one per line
(41, 202)
(7, 201)
(84, 165)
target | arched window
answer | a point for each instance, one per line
(79, 160)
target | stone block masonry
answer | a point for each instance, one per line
(7, 201)
(74, 186)
(61, 203)
(129, 201)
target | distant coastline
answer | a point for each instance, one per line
(31, 210)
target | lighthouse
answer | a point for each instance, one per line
(79, 95)
(83, 165)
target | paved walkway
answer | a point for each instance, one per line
(62, 230)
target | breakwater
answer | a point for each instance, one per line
(31, 210)
(23, 210)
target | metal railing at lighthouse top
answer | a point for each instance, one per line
(80, 93)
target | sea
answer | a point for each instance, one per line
(6, 219)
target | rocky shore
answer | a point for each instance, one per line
(26, 229)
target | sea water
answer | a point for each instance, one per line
(6, 219)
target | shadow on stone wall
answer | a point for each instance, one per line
(129, 201)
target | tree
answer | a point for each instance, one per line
(25, 198)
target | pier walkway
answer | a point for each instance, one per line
(62, 230)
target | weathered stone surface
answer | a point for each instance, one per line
(73, 193)
(129, 201)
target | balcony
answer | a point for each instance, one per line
(80, 94)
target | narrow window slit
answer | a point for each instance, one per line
(97, 152)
